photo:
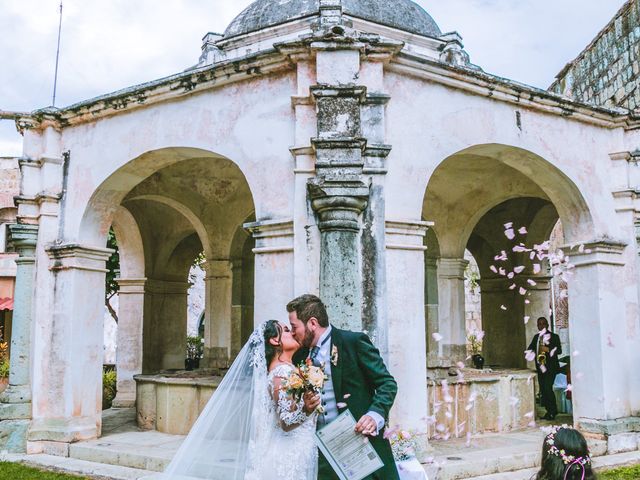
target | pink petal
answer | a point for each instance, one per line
(522, 231)
(519, 269)
(437, 337)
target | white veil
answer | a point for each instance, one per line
(229, 439)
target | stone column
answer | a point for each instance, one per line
(451, 312)
(130, 333)
(69, 386)
(165, 325)
(407, 343)
(431, 309)
(217, 326)
(274, 268)
(15, 402)
(504, 341)
(236, 306)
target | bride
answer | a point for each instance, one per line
(251, 429)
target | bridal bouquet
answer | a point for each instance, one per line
(305, 378)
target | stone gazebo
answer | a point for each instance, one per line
(346, 148)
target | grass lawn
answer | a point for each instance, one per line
(629, 473)
(15, 471)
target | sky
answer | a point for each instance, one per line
(111, 44)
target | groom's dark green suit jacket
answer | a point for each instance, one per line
(360, 374)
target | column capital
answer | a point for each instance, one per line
(73, 256)
(272, 236)
(166, 287)
(495, 284)
(339, 212)
(217, 268)
(25, 238)
(131, 285)
(406, 234)
(604, 251)
(452, 267)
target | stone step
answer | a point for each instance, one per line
(81, 467)
(141, 457)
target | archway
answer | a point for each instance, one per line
(471, 197)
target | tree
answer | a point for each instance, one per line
(113, 271)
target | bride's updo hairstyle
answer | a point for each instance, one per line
(272, 329)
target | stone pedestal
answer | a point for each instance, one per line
(405, 265)
(451, 313)
(15, 401)
(129, 342)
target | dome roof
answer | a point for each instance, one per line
(401, 14)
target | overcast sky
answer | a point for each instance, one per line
(111, 44)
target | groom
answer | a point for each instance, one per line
(358, 379)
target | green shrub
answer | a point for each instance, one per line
(626, 473)
(15, 471)
(4, 368)
(109, 379)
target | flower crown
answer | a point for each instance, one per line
(554, 450)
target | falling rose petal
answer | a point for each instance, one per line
(528, 415)
(468, 407)
(543, 369)
(519, 269)
(527, 301)
(437, 337)
(569, 388)
(575, 353)
(502, 307)
(511, 275)
(530, 355)
(468, 439)
(473, 396)
(502, 271)
(440, 427)
(493, 269)
(522, 291)
(588, 251)
(537, 268)
(341, 405)
(546, 338)
(522, 231)
(480, 335)
(513, 286)
(460, 365)
(532, 255)
(552, 353)
(347, 396)
(448, 415)
(564, 294)
(510, 234)
(532, 424)
(526, 319)
(509, 225)
(531, 282)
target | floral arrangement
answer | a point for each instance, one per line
(554, 450)
(403, 444)
(305, 378)
(195, 347)
(474, 340)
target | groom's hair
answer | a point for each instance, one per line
(309, 306)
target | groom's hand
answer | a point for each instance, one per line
(367, 426)
(311, 402)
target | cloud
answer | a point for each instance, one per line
(112, 44)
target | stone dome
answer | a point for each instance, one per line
(401, 14)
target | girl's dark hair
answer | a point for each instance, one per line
(554, 468)
(272, 329)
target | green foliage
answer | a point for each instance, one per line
(195, 347)
(627, 473)
(109, 379)
(113, 271)
(16, 471)
(472, 275)
(4, 358)
(4, 368)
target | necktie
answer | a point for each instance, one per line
(314, 356)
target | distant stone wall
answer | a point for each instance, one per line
(607, 72)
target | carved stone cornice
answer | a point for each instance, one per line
(406, 234)
(603, 251)
(272, 236)
(73, 256)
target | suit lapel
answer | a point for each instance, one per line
(336, 370)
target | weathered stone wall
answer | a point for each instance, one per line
(607, 72)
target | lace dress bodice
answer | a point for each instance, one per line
(293, 449)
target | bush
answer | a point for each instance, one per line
(109, 379)
(4, 368)
(4, 358)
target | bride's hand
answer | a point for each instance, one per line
(311, 402)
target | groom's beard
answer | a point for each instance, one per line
(307, 341)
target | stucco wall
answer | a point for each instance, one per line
(608, 72)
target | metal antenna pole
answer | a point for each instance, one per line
(55, 77)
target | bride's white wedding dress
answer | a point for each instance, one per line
(249, 430)
(292, 452)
